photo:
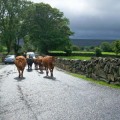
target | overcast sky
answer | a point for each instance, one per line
(90, 19)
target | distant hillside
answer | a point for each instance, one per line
(89, 42)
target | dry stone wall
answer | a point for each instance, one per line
(107, 69)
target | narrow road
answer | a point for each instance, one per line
(36, 97)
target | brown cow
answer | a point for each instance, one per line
(20, 63)
(48, 63)
(39, 60)
(36, 63)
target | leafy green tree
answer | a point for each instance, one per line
(75, 48)
(92, 48)
(11, 17)
(1, 48)
(48, 28)
(27, 45)
(106, 47)
(116, 46)
(98, 51)
(81, 48)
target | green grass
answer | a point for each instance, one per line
(87, 52)
(95, 81)
(82, 55)
(108, 53)
(72, 52)
(56, 52)
(76, 57)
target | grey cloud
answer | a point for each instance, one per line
(95, 23)
(89, 34)
(105, 24)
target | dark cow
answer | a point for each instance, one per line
(20, 63)
(30, 62)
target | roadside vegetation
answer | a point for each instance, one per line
(76, 57)
(87, 54)
(95, 81)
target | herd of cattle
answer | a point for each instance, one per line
(40, 63)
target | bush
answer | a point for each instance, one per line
(106, 47)
(98, 51)
(116, 46)
(68, 51)
(75, 48)
(1, 48)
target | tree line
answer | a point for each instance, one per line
(40, 26)
(103, 47)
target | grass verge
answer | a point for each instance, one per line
(95, 81)
(76, 57)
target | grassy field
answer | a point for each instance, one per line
(108, 53)
(82, 55)
(76, 57)
(86, 52)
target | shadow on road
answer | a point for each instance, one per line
(41, 72)
(49, 77)
(19, 79)
(29, 70)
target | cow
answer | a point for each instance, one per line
(40, 64)
(35, 60)
(48, 63)
(20, 62)
(29, 62)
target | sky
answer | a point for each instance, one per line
(90, 19)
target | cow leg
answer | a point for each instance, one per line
(28, 66)
(46, 71)
(31, 66)
(51, 67)
(40, 68)
(51, 71)
(22, 73)
(19, 73)
(36, 67)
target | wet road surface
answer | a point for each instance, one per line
(36, 97)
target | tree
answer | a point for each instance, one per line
(98, 52)
(48, 28)
(75, 48)
(116, 47)
(11, 17)
(106, 47)
(27, 45)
